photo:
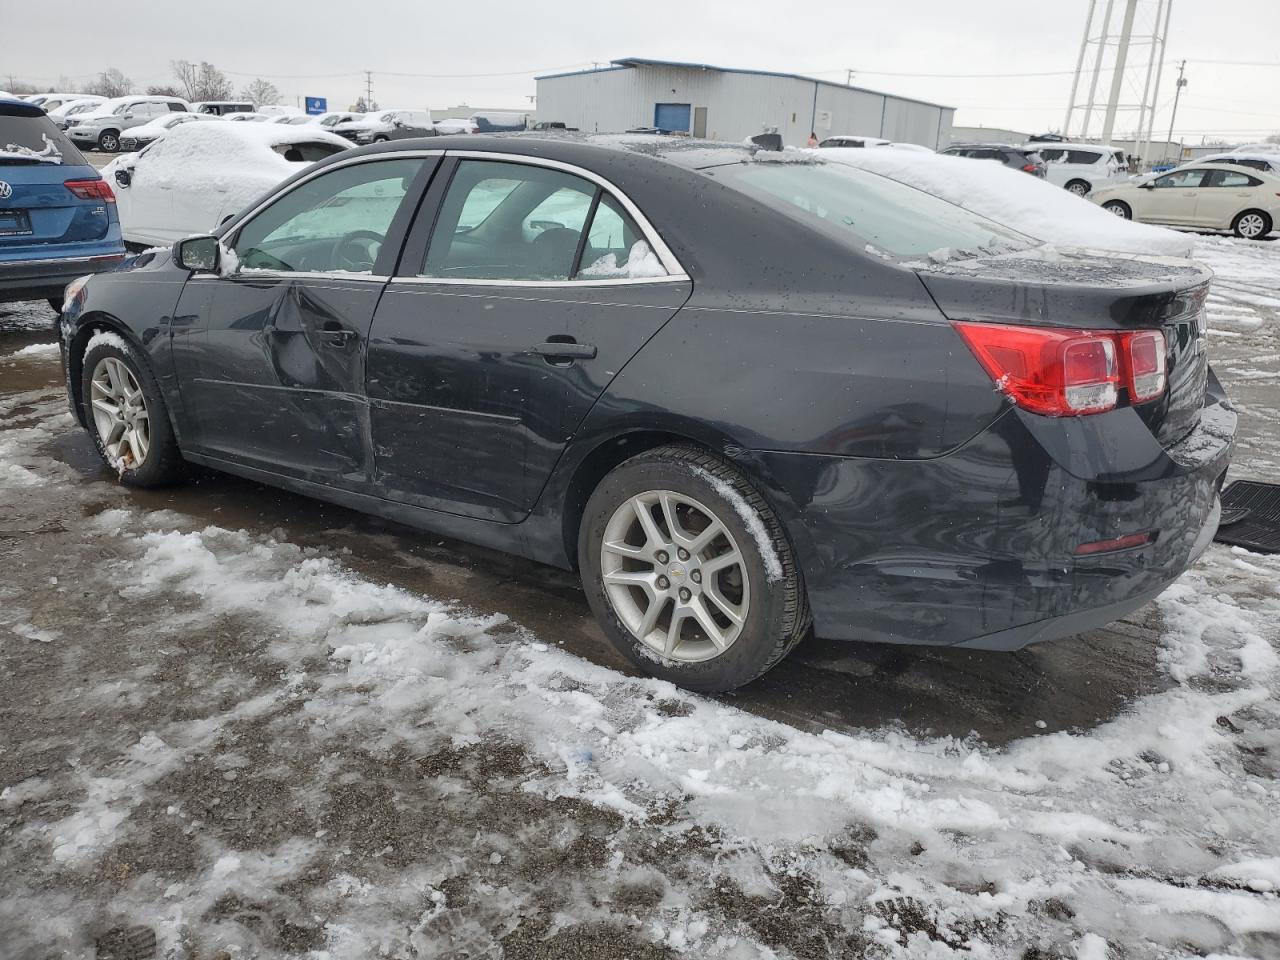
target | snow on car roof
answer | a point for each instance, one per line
(221, 144)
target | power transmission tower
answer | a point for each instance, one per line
(1105, 51)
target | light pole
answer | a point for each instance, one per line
(1177, 93)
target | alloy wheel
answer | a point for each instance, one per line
(1251, 225)
(120, 414)
(1078, 189)
(1117, 209)
(110, 144)
(674, 576)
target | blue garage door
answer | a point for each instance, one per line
(671, 116)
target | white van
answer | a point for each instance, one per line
(1079, 167)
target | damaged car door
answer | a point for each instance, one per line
(270, 351)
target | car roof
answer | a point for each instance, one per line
(1067, 144)
(1269, 157)
(1229, 167)
(585, 148)
(14, 107)
(1025, 148)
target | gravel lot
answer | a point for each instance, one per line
(246, 724)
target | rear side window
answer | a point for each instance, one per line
(1083, 156)
(1052, 154)
(860, 208)
(306, 152)
(1229, 178)
(518, 222)
(26, 139)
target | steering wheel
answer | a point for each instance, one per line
(356, 251)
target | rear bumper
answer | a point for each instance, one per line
(40, 279)
(977, 548)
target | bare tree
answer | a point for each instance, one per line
(111, 83)
(163, 90)
(260, 92)
(1274, 138)
(202, 81)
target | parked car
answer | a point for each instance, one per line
(543, 125)
(220, 108)
(1210, 196)
(455, 125)
(293, 119)
(1010, 454)
(1019, 158)
(101, 128)
(1079, 167)
(148, 133)
(58, 217)
(73, 109)
(48, 102)
(245, 117)
(201, 173)
(387, 125)
(499, 121)
(1266, 162)
(280, 110)
(847, 140)
(334, 117)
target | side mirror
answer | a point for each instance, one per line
(399, 124)
(124, 178)
(199, 253)
(128, 116)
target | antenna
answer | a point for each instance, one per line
(1114, 50)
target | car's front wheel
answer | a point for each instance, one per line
(109, 141)
(1251, 225)
(1078, 187)
(1119, 208)
(127, 415)
(689, 570)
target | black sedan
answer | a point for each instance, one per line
(742, 392)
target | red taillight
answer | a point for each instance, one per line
(1119, 543)
(1065, 373)
(1029, 168)
(91, 190)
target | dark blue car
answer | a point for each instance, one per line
(58, 217)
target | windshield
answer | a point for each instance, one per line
(870, 211)
(34, 140)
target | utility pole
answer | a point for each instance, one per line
(848, 78)
(368, 90)
(1177, 92)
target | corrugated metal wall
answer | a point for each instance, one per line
(738, 105)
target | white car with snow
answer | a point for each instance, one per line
(73, 110)
(387, 125)
(1266, 162)
(48, 102)
(1080, 167)
(202, 173)
(1208, 196)
(138, 138)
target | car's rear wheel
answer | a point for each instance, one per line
(1079, 187)
(689, 571)
(1252, 225)
(1119, 208)
(109, 140)
(381, 139)
(127, 415)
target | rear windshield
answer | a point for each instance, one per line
(28, 139)
(307, 152)
(864, 209)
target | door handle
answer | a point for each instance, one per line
(335, 334)
(554, 350)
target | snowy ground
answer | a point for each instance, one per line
(259, 727)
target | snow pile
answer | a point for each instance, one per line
(641, 262)
(35, 350)
(1016, 199)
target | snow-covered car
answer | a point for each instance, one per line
(1080, 167)
(1266, 162)
(48, 102)
(73, 110)
(293, 119)
(851, 141)
(1028, 204)
(280, 110)
(220, 108)
(140, 137)
(456, 125)
(1208, 196)
(202, 173)
(387, 125)
(248, 117)
(334, 117)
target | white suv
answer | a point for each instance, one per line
(101, 129)
(1079, 167)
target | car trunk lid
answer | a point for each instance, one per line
(1080, 290)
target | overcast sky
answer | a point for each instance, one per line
(487, 54)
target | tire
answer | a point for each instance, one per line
(381, 139)
(1252, 225)
(1119, 208)
(1079, 187)
(764, 589)
(151, 460)
(109, 141)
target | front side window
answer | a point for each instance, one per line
(335, 223)
(518, 222)
(858, 207)
(1182, 180)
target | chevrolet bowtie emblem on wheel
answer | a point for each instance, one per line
(6, 191)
